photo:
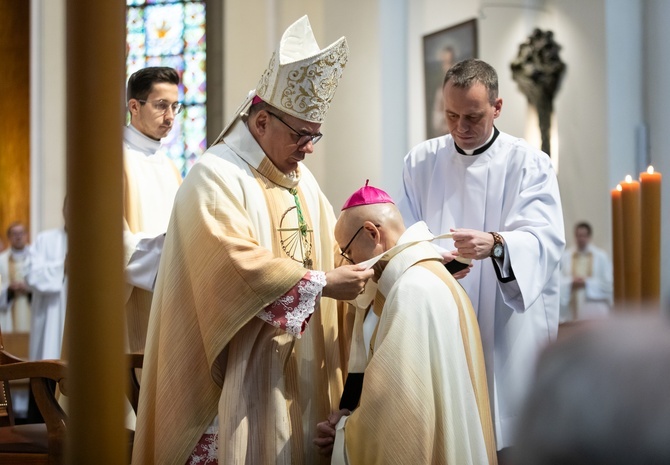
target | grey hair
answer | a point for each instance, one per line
(466, 73)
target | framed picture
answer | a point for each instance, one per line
(441, 50)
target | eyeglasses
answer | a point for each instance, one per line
(302, 138)
(162, 106)
(346, 247)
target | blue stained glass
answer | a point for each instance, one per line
(165, 29)
(172, 33)
(194, 78)
(135, 20)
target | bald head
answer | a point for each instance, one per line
(368, 230)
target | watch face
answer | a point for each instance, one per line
(498, 250)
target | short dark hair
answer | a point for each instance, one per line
(141, 82)
(585, 225)
(468, 72)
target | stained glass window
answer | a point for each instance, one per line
(172, 33)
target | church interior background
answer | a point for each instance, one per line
(608, 114)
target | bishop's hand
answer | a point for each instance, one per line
(325, 432)
(346, 282)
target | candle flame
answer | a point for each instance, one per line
(650, 170)
(629, 178)
(619, 188)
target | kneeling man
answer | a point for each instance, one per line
(424, 397)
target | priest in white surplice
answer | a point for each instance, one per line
(151, 181)
(424, 397)
(502, 197)
(14, 292)
(47, 279)
(586, 279)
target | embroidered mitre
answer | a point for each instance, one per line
(301, 78)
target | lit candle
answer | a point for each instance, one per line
(630, 203)
(617, 245)
(650, 197)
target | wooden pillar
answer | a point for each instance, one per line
(95, 117)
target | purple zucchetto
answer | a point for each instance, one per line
(367, 195)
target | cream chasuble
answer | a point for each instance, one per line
(425, 397)
(151, 181)
(207, 351)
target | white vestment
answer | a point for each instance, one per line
(595, 298)
(14, 310)
(419, 397)
(512, 189)
(46, 278)
(154, 181)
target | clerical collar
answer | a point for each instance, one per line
(492, 138)
(138, 141)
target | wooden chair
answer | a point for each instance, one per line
(135, 361)
(41, 443)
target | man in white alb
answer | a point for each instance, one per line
(151, 181)
(47, 278)
(14, 292)
(586, 278)
(502, 198)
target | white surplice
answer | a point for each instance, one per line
(512, 189)
(594, 300)
(14, 311)
(155, 181)
(46, 277)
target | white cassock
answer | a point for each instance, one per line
(154, 181)
(14, 311)
(594, 300)
(151, 181)
(46, 277)
(510, 188)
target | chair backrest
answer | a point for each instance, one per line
(6, 411)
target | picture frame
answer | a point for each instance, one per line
(442, 49)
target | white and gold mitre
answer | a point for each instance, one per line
(301, 79)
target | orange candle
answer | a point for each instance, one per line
(632, 237)
(650, 197)
(617, 245)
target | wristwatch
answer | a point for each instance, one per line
(498, 250)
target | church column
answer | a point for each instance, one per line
(95, 116)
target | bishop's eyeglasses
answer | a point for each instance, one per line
(162, 106)
(343, 250)
(302, 138)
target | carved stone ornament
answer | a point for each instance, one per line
(538, 71)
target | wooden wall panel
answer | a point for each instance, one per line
(14, 113)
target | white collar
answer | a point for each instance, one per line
(139, 142)
(412, 246)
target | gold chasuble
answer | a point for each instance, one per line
(425, 397)
(228, 254)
